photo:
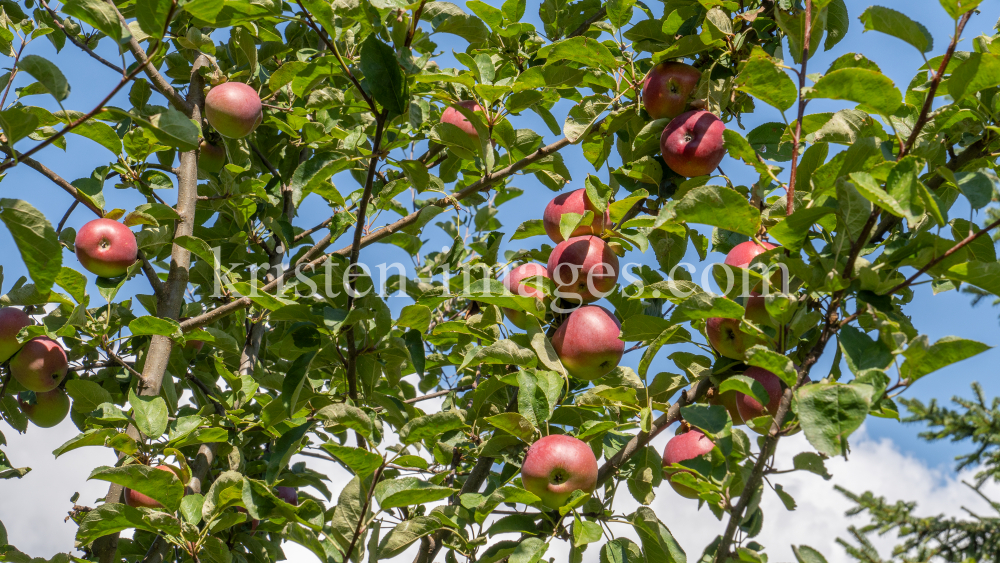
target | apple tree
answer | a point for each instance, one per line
(213, 340)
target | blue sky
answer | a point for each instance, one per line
(937, 316)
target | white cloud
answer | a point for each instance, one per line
(34, 507)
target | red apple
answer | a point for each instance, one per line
(748, 406)
(40, 365)
(573, 202)
(584, 269)
(106, 248)
(726, 337)
(587, 342)
(288, 494)
(455, 117)
(683, 447)
(557, 465)
(12, 320)
(136, 499)
(512, 282)
(668, 88)
(692, 143)
(743, 253)
(44, 410)
(233, 109)
(211, 158)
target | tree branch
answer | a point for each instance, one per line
(58, 21)
(964, 242)
(599, 15)
(55, 178)
(797, 137)
(146, 65)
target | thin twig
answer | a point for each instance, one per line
(62, 222)
(437, 394)
(964, 242)
(336, 52)
(790, 190)
(75, 41)
(588, 22)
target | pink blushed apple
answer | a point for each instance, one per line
(587, 342)
(40, 365)
(45, 409)
(234, 109)
(106, 248)
(692, 143)
(577, 202)
(455, 117)
(557, 465)
(583, 269)
(684, 447)
(12, 320)
(514, 284)
(668, 87)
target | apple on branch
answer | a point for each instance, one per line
(455, 117)
(692, 143)
(668, 88)
(40, 365)
(211, 157)
(557, 465)
(587, 342)
(106, 248)
(577, 202)
(234, 109)
(684, 447)
(583, 269)
(12, 320)
(45, 409)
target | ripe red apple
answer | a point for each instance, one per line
(683, 447)
(12, 320)
(44, 410)
(726, 337)
(743, 253)
(106, 248)
(512, 282)
(748, 406)
(40, 365)
(584, 269)
(557, 465)
(288, 494)
(587, 342)
(233, 109)
(136, 499)
(455, 117)
(668, 87)
(573, 202)
(692, 143)
(211, 158)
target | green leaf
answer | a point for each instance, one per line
(295, 379)
(73, 282)
(284, 448)
(582, 117)
(174, 129)
(145, 326)
(837, 22)
(161, 486)
(150, 414)
(863, 353)
(898, 25)
(979, 72)
(415, 316)
(108, 519)
(100, 15)
(87, 395)
(806, 554)
(745, 385)
(657, 542)
(859, 85)
(515, 425)
(583, 50)
(345, 415)
(709, 419)
(152, 16)
(721, 207)
(409, 531)
(226, 491)
(529, 228)
(408, 491)
(829, 413)
(922, 359)
(314, 175)
(762, 78)
(17, 124)
(956, 8)
(88, 438)
(100, 133)
(360, 461)
(984, 275)
(430, 426)
(384, 76)
(47, 73)
(792, 231)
